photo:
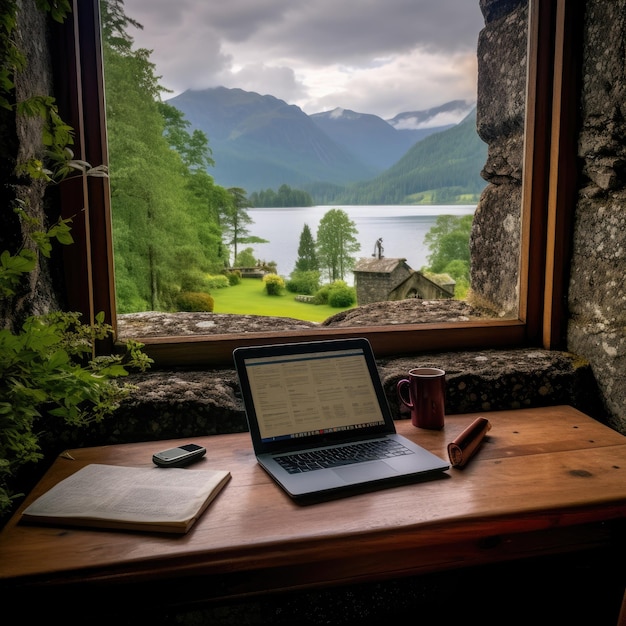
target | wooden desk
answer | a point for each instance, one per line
(546, 481)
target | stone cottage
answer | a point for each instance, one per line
(382, 279)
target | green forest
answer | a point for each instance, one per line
(285, 197)
(168, 216)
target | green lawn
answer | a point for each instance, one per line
(250, 298)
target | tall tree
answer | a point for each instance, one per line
(307, 256)
(336, 243)
(235, 220)
(448, 240)
(205, 196)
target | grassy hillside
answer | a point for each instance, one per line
(443, 168)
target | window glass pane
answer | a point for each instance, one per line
(296, 161)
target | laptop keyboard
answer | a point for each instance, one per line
(343, 455)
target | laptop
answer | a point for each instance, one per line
(310, 400)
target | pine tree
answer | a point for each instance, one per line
(235, 220)
(307, 256)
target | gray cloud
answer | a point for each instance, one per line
(371, 56)
(321, 30)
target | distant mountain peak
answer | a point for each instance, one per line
(339, 113)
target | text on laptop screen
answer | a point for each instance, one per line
(308, 394)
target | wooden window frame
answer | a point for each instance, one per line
(548, 197)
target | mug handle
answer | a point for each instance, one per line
(404, 398)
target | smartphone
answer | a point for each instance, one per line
(179, 457)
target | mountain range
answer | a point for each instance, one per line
(260, 142)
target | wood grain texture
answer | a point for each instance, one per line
(544, 481)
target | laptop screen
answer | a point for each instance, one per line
(314, 393)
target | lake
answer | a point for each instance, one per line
(402, 229)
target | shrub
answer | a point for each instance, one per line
(216, 282)
(274, 284)
(194, 301)
(321, 295)
(196, 281)
(307, 282)
(341, 297)
(234, 277)
(346, 294)
(193, 280)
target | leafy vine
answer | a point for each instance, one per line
(47, 368)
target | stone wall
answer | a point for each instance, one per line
(597, 291)
(20, 138)
(496, 229)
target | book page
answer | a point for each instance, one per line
(129, 494)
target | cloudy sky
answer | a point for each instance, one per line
(371, 56)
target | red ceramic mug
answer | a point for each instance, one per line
(424, 393)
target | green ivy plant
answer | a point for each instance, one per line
(47, 368)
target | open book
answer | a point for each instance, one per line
(131, 498)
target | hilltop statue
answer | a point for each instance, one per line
(378, 248)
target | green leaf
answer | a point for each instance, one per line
(59, 359)
(24, 261)
(43, 243)
(114, 371)
(62, 232)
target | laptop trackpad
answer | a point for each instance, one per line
(362, 472)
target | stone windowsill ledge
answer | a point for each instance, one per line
(186, 403)
(180, 403)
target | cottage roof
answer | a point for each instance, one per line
(386, 265)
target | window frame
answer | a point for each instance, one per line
(548, 193)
